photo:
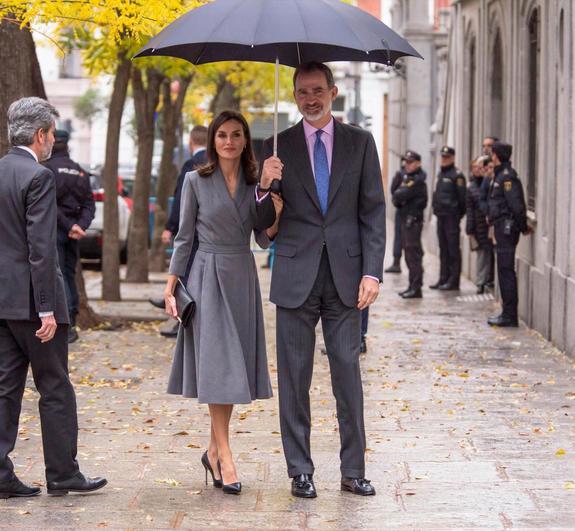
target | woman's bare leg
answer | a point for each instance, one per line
(221, 414)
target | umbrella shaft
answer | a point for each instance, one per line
(277, 95)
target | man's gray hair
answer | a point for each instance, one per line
(26, 116)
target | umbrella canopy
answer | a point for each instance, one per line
(290, 32)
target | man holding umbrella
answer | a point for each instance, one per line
(329, 262)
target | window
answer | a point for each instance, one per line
(471, 104)
(496, 126)
(533, 65)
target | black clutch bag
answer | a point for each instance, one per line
(185, 304)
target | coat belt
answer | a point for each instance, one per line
(221, 248)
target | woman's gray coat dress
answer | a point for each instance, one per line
(221, 358)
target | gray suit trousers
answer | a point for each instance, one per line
(295, 352)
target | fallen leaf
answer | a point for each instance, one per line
(561, 451)
(169, 481)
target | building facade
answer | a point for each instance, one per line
(508, 71)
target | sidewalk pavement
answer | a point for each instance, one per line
(468, 427)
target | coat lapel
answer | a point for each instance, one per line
(342, 147)
(303, 164)
(231, 203)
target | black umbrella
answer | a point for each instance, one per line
(288, 32)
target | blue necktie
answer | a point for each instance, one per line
(321, 168)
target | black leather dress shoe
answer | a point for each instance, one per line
(436, 285)
(412, 294)
(302, 486)
(401, 293)
(448, 286)
(14, 488)
(481, 289)
(172, 331)
(503, 321)
(363, 346)
(393, 269)
(77, 483)
(72, 334)
(158, 303)
(359, 486)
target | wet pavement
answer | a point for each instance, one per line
(468, 427)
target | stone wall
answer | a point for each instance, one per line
(510, 73)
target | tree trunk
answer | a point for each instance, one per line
(111, 242)
(86, 318)
(146, 100)
(225, 97)
(21, 76)
(171, 114)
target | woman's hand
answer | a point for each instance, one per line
(278, 206)
(169, 298)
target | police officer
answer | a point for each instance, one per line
(507, 214)
(449, 207)
(395, 184)
(410, 198)
(76, 210)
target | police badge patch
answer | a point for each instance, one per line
(507, 186)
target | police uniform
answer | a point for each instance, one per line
(75, 207)
(410, 198)
(449, 205)
(507, 213)
(396, 267)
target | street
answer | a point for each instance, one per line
(467, 426)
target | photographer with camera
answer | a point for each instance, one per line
(410, 198)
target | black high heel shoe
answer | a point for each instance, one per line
(206, 462)
(230, 488)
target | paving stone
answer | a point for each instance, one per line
(468, 427)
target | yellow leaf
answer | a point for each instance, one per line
(569, 485)
(169, 481)
(561, 451)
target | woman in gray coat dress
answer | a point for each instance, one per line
(221, 358)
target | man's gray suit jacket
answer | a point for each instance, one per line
(353, 229)
(30, 279)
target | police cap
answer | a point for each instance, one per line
(410, 156)
(62, 136)
(447, 151)
(502, 150)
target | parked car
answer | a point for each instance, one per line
(91, 244)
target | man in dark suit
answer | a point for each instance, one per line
(329, 261)
(33, 313)
(198, 143)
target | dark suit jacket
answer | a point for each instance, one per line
(30, 279)
(353, 228)
(191, 164)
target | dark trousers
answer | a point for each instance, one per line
(411, 242)
(505, 249)
(449, 249)
(20, 348)
(397, 237)
(364, 321)
(295, 354)
(67, 259)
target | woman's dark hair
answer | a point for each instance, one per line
(248, 159)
